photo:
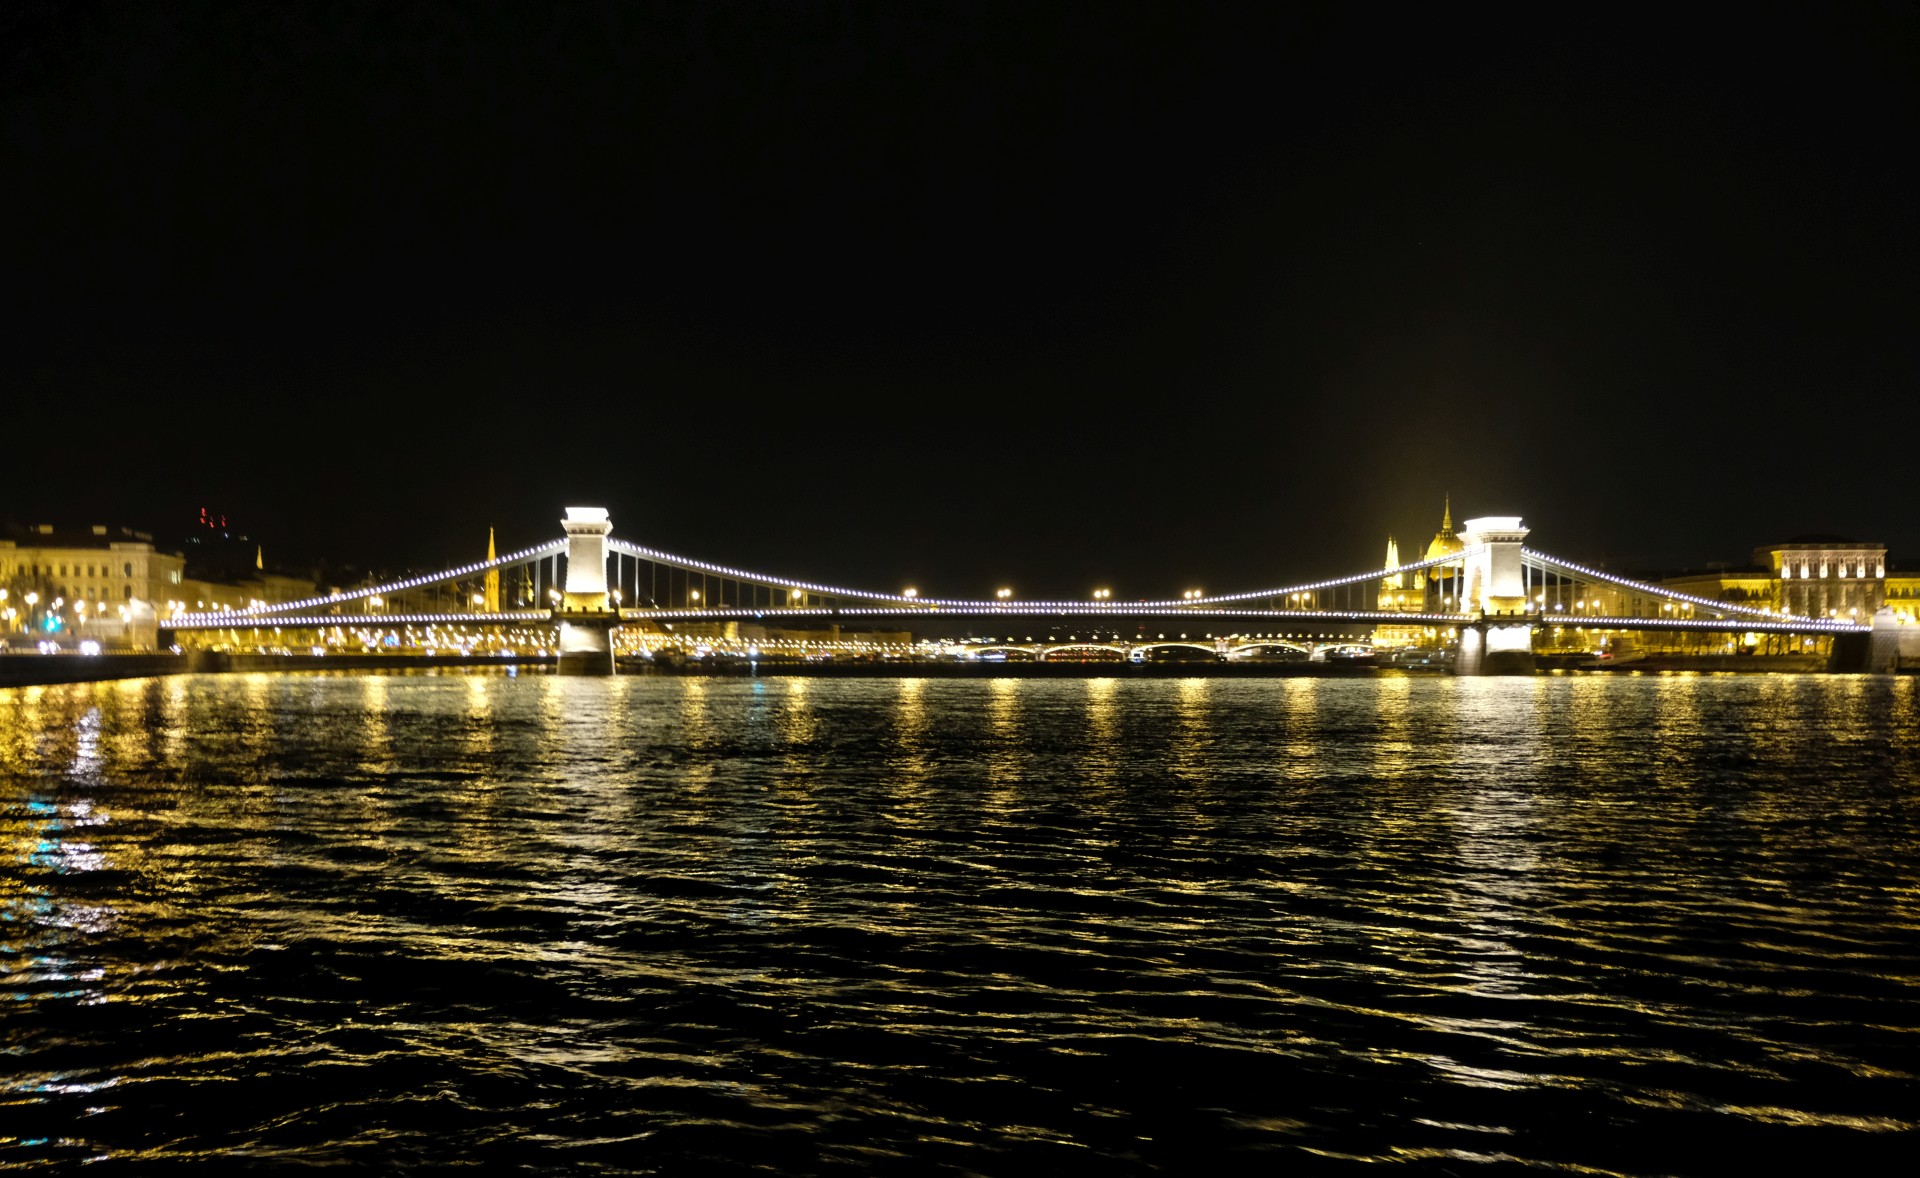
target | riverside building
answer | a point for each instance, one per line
(113, 586)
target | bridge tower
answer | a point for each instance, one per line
(586, 618)
(1500, 638)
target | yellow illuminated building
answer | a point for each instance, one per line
(1433, 590)
(491, 593)
(1812, 577)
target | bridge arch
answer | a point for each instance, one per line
(1120, 651)
(1144, 648)
(1250, 649)
(1003, 650)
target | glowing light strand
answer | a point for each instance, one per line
(1545, 563)
(249, 621)
(927, 603)
(551, 548)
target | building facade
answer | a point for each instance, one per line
(1432, 590)
(1813, 577)
(101, 584)
(112, 586)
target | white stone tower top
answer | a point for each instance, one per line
(587, 529)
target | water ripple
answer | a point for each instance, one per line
(1649, 925)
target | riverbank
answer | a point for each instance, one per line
(27, 670)
(30, 670)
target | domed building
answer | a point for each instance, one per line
(1434, 590)
(1444, 543)
(1443, 581)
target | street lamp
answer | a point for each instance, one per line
(1003, 594)
(1102, 594)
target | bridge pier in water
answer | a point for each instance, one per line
(585, 617)
(1500, 639)
(1875, 653)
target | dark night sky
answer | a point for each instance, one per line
(1050, 295)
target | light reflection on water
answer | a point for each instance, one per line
(1622, 924)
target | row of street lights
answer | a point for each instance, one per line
(32, 617)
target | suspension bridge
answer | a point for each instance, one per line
(585, 596)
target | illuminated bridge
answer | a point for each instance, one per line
(587, 597)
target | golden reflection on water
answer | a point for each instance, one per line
(1589, 720)
(18, 729)
(1299, 730)
(256, 723)
(798, 726)
(1191, 758)
(1493, 815)
(54, 823)
(696, 724)
(909, 764)
(376, 739)
(1453, 858)
(1100, 760)
(84, 769)
(477, 738)
(1005, 756)
(1673, 724)
(477, 800)
(1003, 724)
(172, 733)
(1393, 745)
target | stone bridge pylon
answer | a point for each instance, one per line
(1500, 638)
(586, 618)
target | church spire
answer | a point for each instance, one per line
(1446, 518)
(490, 591)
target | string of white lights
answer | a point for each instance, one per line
(1544, 562)
(1341, 582)
(642, 553)
(1037, 609)
(1775, 625)
(923, 604)
(255, 621)
(287, 613)
(550, 548)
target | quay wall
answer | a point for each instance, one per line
(21, 670)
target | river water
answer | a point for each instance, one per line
(1660, 924)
